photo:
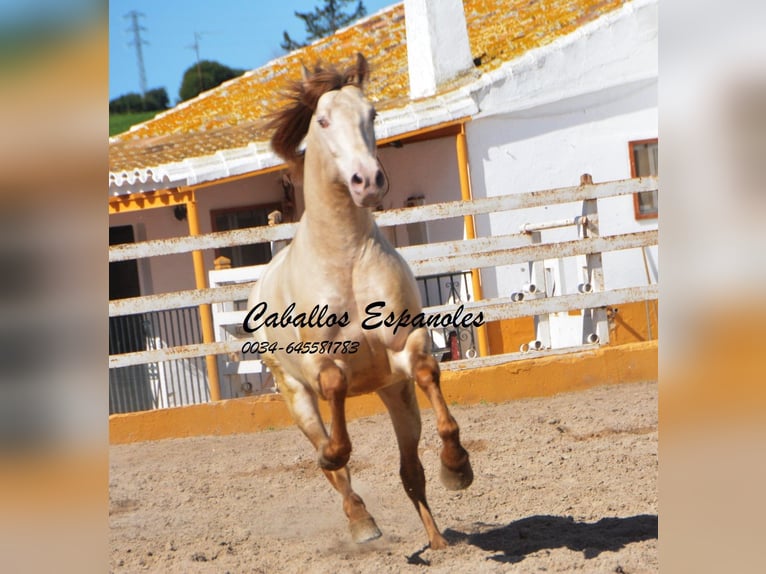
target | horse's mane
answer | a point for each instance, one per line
(291, 123)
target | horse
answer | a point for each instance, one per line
(313, 298)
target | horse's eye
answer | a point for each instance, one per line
(323, 121)
(373, 115)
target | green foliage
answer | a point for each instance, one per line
(119, 123)
(126, 104)
(323, 22)
(156, 100)
(204, 76)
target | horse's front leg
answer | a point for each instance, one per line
(302, 403)
(333, 385)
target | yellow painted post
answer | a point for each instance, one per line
(470, 230)
(205, 314)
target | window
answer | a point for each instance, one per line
(643, 162)
(241, 218)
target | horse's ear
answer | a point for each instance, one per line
(360, 73)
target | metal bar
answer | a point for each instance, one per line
(401, 216)
(171, 353)
(538, 278)
(456, 247)
(172, 367)
(507, 308)
(534, 253)
(178, 299)
(598, 316)
(515, 201)
(492, 309)
(530, 227)
(173, 245)
(492, 360)
(426, 267)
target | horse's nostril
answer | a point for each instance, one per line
(356, 179)
(380, 179)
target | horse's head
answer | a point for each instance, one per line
(343, 126)
(330, 107)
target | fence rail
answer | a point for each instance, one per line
(446, 260)
(493, 309)
(469, 254)
(401, 216)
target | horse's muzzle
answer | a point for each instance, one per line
(367, 189)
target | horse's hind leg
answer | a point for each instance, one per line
(302, 404)
(361, 524)
(456, 470)
(405, 416)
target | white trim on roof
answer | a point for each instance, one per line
(192, 171)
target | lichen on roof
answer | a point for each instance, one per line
(234, 114)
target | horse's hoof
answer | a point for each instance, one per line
(364, 530)
(457, 479)
(438, 543)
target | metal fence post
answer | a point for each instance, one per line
(595, 323)
(538, 289)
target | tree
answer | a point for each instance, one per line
(323, 22)
(155, 100)
(205, 75)
(126, 104)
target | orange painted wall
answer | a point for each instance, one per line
(542, 376)
(633, 322)
(508, 335)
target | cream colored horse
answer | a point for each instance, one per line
(340, 262)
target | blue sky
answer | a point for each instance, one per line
(241, 34)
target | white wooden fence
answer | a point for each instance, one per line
(230, 286)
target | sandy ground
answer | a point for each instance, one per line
(565, 483)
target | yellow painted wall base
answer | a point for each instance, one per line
(508, 335)
(543, 376)
(632, 322)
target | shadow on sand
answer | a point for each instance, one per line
(513, 542)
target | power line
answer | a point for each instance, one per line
(136, 28)
(195, 47)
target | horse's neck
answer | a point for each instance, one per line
(333, 223)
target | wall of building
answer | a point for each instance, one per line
(159, 274)
(176, 272)
(551, 146)
(427, 169)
